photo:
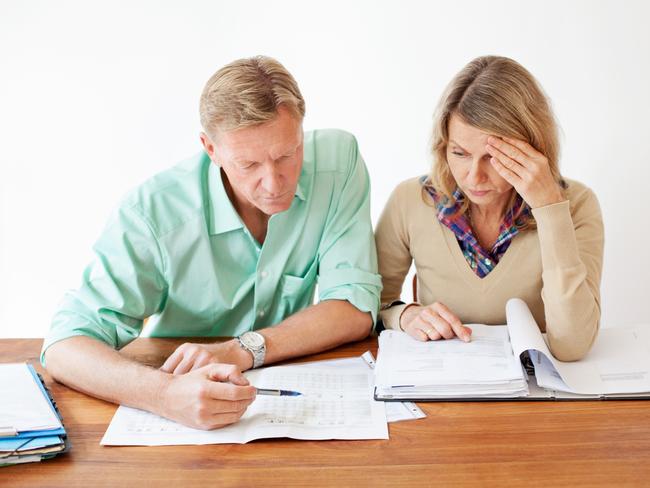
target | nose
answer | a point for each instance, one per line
(476, 174)
(272, 182)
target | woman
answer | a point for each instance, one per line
(494, 220)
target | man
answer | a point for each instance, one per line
(229, 243)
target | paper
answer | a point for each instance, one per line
(545, 374)
(488, 357)
(398, 411)
(335, 404)
(395, 411)
(23, 406)
(618, 362)
(486, 366)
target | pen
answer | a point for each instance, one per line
(266, 391)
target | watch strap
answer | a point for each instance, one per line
(258, 354)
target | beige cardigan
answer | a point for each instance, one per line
(555, 269)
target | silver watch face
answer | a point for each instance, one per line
(252, 340)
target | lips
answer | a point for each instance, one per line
(479, 193)
(275, 198)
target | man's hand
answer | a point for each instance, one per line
(189, 357)
(207, 398)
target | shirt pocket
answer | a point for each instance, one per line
(297, 292)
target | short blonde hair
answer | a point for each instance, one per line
(499, 96)
(248, 92)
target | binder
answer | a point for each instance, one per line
(512, 362)
(19, 443)
(535, 393)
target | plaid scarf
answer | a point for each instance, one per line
(481, 261)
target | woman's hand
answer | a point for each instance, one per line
(526, 169)
(433, 322)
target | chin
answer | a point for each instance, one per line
(492, 198)
(275, 207)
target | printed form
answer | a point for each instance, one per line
(335, 404)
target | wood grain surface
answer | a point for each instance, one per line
(586, 443)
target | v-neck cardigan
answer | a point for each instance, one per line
(556, 269)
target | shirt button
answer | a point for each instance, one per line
(264, 274)
(261, 314)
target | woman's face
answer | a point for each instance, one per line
(470, 165)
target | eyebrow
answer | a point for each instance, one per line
(289, 152)
(283, 155)
(451, 141)
(242, 162)
(454, 142)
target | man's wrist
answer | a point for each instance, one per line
(161, 384)
(238, 355)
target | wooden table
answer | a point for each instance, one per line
(590, 443)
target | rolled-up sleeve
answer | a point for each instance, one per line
(123, 285)
(347, 253)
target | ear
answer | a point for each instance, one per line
(209, 147)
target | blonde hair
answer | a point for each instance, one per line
(499, 96)
(248, 92)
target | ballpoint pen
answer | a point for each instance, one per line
(266, 391)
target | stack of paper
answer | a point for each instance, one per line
(485, 367)
(30, 427)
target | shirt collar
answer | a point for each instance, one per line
(223, 216)
(306, 172)
(301, 189)
(461, 227)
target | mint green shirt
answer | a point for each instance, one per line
(176, 251)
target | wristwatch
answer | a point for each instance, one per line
(254, 343)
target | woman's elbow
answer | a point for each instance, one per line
(573, 347)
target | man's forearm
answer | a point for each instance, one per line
(207, 398)
(94, 368)
(315, 329)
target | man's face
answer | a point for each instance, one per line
(262, 162)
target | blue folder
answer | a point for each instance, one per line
(20, 446)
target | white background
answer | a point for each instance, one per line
(95, 97)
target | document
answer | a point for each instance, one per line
(335, 404)
(490, 367)
(23, 406)
(395, 411)
(617, 364)
(30, 426)
(411, 369)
